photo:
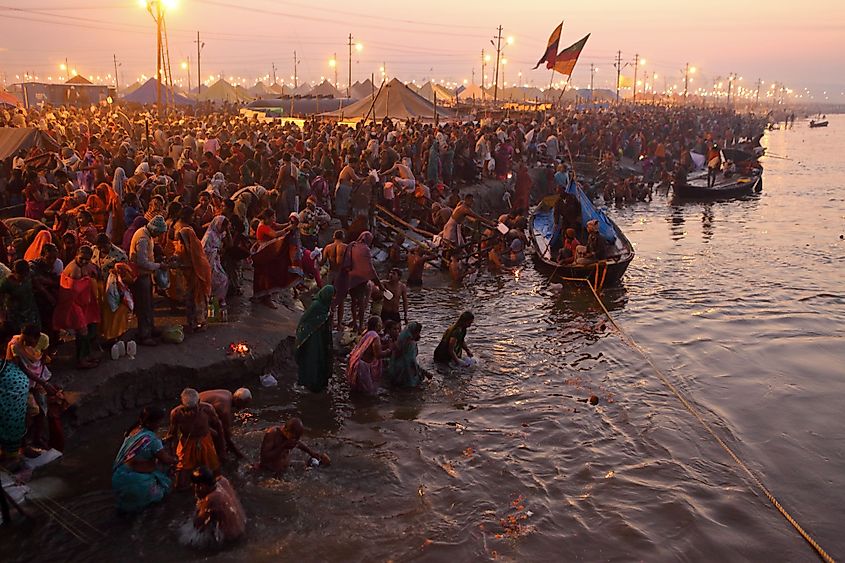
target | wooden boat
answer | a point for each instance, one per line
(725, 188)
(814, 123)
(601, 273)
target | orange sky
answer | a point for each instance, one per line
(800, 44)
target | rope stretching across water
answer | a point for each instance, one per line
(688, 406)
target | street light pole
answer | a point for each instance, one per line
(636, 67)
(158, 53)
(349, 81)
(498, 56)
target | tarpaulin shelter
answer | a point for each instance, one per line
(146, 94)
(8, 99)
(393, 100)
(13, 139)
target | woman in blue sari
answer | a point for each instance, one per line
(137, 479)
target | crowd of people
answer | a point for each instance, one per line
(121, 210)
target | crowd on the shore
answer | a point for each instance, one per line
(127, 210)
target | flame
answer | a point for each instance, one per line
(239, 348)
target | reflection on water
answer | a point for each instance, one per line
(507, 462)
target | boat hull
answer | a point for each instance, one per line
(726, 190)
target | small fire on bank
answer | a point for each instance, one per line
(240, 349)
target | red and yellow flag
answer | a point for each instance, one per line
(565, 60)
(551, 48)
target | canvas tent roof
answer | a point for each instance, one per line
(78, 79)
(396, 101)
(260, 89)
(13, 139)
(361, 90)
(278, 89)
(146, 94)
(325, 88)
(471, 91)
(222, 91)
(429, 88)
(125, 91)
(302, 90)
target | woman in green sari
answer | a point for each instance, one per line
(313, 353)
(403, 369)
(453, 343)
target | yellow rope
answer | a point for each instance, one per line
(809, 539)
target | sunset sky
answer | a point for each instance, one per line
(799, 44)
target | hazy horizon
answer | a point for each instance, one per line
(440, 40)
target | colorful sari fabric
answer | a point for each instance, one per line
(364, 376)
(277, 264)
(198, 272)
(77, 305)
(136, 490)
(14, 391)
(115, 225)
(313, 351)
(356, 268)
(402, 369)
(212, 244)
(34, 251)
(118, 305)
(96, 205)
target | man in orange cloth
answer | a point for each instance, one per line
(193, 427)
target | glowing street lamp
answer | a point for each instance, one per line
(333, 65)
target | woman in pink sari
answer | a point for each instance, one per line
(77, 309)
(365, 362)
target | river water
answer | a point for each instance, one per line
(741, 304)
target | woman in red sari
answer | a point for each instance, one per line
(275, 257)
(77, 309)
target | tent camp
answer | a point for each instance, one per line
(325, 88)
(396, 101)
(444, 94)
(146, 94)
(14, 139)
(222, 91)
(361, 90)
